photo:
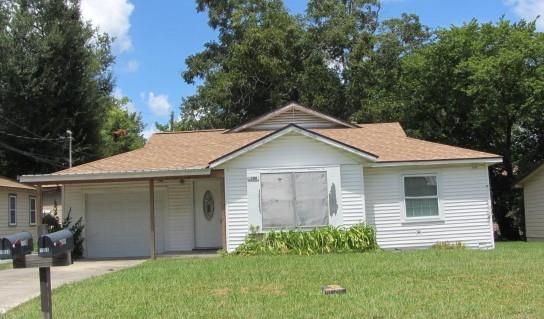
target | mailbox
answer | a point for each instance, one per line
(57, 243)
(16, 245)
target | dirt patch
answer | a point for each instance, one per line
(220, 291)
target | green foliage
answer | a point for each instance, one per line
(481, 86)
(121, 130)
(54, 225)
(326, 240)
(55, 74)
(329, 59)
(443, 245)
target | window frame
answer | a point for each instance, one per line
(10, 209)
(294, 171)
(408, 219)
(30, 199)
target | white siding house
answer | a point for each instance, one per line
(293, 168)
(533, 194)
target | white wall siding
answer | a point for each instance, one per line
(533, 192)
(292, 150)
(236, 207)
(179, 219)
(464, 200)
(353, 207)
(301, 119)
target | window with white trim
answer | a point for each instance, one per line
(294, 200)
(12, 209)
(421, 196)
(32, 210)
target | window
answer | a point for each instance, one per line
(32, 210)
(12, 209)
(294, 199)
(421, 196)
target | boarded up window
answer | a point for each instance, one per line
(290, 200)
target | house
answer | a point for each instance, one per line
(18, 205)
(533, 196)
(291, 168)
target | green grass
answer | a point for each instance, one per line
(505, 283)
(5, 266)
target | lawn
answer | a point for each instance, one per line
(507, 282)
(5, 266)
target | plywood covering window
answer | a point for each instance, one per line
(421, 196)
(12, 209)
(32, 210)
(294, 200)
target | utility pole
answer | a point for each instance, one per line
(172, 121)
(70, 138)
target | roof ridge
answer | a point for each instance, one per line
(192, 131)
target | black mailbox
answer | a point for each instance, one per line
(16, 245)
(56, 243)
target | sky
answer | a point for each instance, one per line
(153, 39)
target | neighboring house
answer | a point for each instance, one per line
(18, 208)
(533, 194)
(291, 168)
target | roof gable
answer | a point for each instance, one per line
(292, 113)
(534, 172)
(293, 128)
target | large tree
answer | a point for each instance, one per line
(481, 86)
(331, 59)
(55, 74)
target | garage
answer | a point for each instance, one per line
(117, 224)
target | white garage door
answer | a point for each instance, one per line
(117, 225)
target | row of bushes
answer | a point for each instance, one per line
(326, 240)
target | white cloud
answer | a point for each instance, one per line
(132, 66)
(129, 106)
(148, 132)
(159, 104)
(111, 17)
(529, 10)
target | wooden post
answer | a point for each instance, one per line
(41, 228)
(152, 217)
(45, 291)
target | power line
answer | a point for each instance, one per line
(27, 130)
(37, 158)
(32, 138)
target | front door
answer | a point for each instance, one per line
(208, 206)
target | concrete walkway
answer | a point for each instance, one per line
(20, 285)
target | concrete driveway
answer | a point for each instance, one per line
(20, 285)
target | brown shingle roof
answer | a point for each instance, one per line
(196, 149)
(8, 183)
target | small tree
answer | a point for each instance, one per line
(52, 220)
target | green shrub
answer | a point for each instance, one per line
(52, 220)
(444, 245)
(326, 240)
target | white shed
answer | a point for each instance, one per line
(533, 194)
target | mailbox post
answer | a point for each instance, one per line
(55, 249)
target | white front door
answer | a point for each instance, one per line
(208, 206)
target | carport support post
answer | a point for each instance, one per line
(41, 228)
(152, 217)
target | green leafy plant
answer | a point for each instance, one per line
(52, 220)
(326, 240)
